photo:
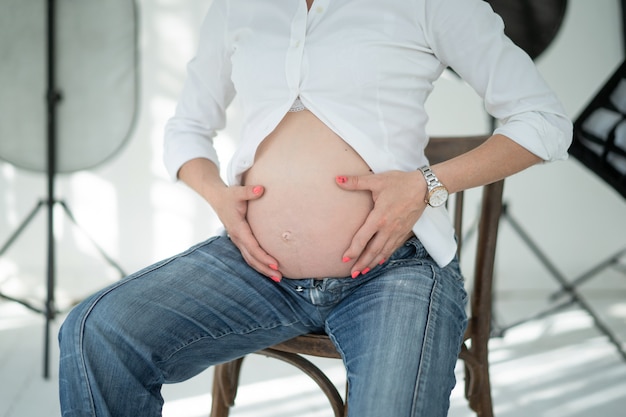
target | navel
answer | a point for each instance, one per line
(286, 236)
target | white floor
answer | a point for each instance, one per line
(556, 366)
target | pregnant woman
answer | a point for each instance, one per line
(334, 220)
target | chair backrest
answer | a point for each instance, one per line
(475, 354)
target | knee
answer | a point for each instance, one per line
(82, 319)
(71, 328)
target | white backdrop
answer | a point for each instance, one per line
(131, 208)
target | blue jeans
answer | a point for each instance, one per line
(398, 329)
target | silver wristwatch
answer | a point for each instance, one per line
(437, 193)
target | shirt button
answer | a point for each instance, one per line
(319, 9)
(296, 44)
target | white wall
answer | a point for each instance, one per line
(138, 216)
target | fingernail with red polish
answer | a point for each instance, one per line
(365, 271)
(275, 278)
(346, 259)
(274, 267)
(257, 190)
(356, 274)
(341, 179)
(382, 262)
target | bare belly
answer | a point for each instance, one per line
(304, 219)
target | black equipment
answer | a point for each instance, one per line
(69, 83)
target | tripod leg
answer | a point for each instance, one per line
(21, 227)
(22, 302)
(537, 252)
(93, 242)
(566, 286)
(8, 244)
(49, 309)
(591, 273)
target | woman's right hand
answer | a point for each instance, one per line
(231, 208)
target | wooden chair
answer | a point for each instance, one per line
(474, 351)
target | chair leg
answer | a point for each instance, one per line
(477, 384)
(345, 410)
(225, 384)
(484, 401)
(479, 398)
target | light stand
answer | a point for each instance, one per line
(567, 288)
(53, 98)
(596, 145)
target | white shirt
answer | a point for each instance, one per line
(365, 68)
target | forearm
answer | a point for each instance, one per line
(203, 176)
(497, 158)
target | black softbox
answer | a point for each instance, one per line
(600, 132)
(531, 24)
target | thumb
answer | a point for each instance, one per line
(353, 182)
(253, 192)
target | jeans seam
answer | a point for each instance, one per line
(83, 366)
(423, 361)
(333, 339)
(81, 329)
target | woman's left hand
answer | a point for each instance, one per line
(398, 204)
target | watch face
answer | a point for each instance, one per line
(438, 197)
